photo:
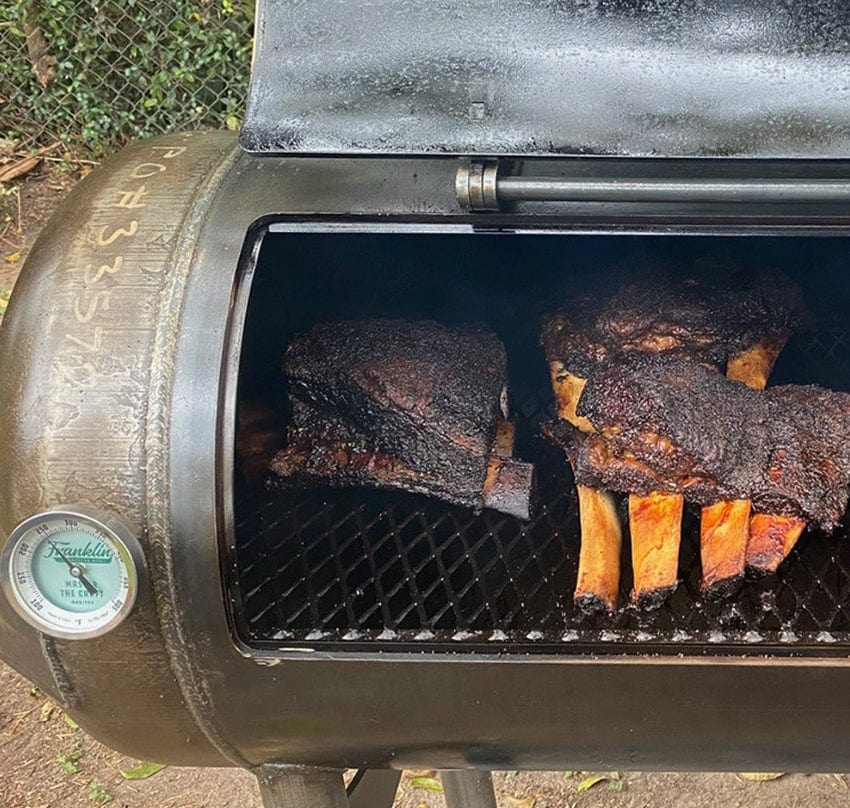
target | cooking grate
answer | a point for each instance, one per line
(370, 569)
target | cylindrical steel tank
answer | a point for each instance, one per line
(117, 389)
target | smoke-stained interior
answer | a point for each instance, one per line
(363, 568)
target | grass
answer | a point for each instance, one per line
(98, 793)
(69, 761)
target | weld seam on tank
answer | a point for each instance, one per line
(156, 453)
(68, 696)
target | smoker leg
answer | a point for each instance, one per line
(301, 787)
(373, 788)
(305, 787)
(468, 789)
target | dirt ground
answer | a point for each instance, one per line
(47, 762)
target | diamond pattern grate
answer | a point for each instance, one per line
(369, 569)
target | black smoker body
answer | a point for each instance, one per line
(264, 634)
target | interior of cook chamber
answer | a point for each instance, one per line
(367, 568)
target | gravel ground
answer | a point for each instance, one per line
(46, 762)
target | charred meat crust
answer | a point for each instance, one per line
(591, 603)
(673, 426)
(704, 314)
(649, 600)
(724, 588)
(402, 404)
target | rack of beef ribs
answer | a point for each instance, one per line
(726, 319)
(409, 405)
(662, 424)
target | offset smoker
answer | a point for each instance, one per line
(304, 631)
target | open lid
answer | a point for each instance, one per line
(536, 77)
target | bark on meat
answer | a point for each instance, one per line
(700, 315)
(672, 426)
(400, 404)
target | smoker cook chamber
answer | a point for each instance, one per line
(361, 628)
(374, 570)
(412, 159)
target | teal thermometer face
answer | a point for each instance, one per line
(70, 574)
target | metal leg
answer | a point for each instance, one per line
(373, 788)
(468, 789)
(301, 787)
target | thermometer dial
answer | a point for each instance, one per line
(72, 572)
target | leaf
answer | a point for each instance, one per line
(617, 785)
(842, 781)
(569, 775)
(142, 771)
(761, 777)
(12, 258)
(232, 123)
(47, 710)
(528, 802)
(512, 773)
(428, 784)
(590, 782)
(70, 721)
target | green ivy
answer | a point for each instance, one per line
(123, 69)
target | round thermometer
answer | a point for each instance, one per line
(72, 572)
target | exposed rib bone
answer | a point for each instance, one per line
(772, 537)
(724, 533)
(723, 545)
(508, 486)
(655, 523)
(753, 366)
(568, 390)
(598, 581)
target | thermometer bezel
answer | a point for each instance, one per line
(114, 528)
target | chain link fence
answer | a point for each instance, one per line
(93, 74)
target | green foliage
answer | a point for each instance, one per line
(98, 793)
(69, 761)
(122, 69)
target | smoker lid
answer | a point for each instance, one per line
(526, 77)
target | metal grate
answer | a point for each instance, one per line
(368, 569)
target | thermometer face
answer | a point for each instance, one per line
(71, 574)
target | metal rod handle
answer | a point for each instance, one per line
(517, 189)
(479, 188)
